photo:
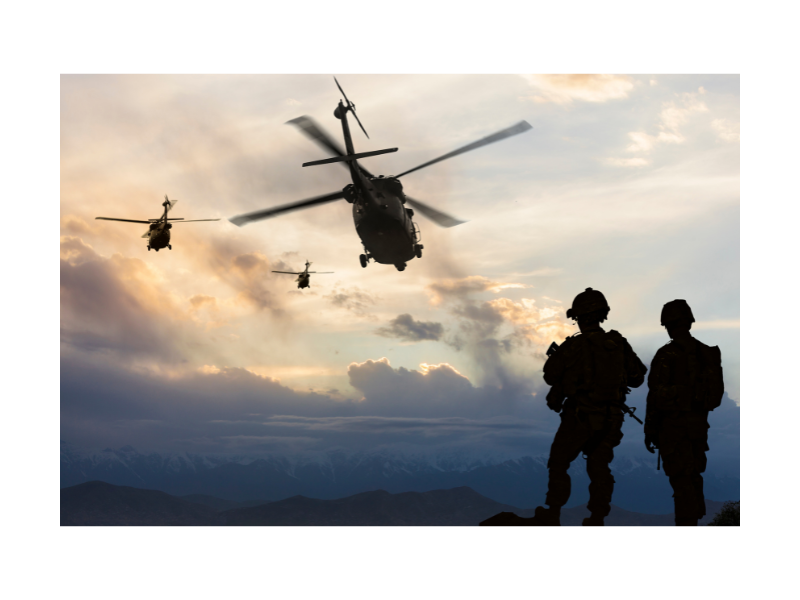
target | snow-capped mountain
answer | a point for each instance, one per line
(519, 481)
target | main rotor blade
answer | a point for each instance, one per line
(438, 217)
(196, 220)
(125, 220)
(520, 127)
(288, 272)
(313, 132)
(359, 122)
(321, 272)
(271, 212)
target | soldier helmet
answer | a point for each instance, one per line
(587, 301)
(676, 310)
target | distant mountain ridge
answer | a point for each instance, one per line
(97, 503)
(336, 474)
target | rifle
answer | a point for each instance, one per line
(629, 410)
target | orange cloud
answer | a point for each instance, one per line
(460, 288)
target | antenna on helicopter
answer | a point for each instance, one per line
(351, 107)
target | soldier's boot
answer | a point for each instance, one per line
(547, 517)
(595, 520)
(686, 501)
(686, 521)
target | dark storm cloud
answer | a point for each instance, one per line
(404, 327)
(235, 411)
(108, 304)
(228, 410)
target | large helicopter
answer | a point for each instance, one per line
(384, 224)
(304, 278)
(158, 235)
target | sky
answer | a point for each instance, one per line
(627, 184)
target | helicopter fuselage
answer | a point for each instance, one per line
(382, 221)
(303, 281)
(159, 235)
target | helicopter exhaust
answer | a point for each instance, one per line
(349, 157)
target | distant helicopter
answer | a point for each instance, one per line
(158, 234)
(304, 279)
(385, 226)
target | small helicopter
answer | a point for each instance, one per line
(304, 278)
(384, 224)
(158, 234)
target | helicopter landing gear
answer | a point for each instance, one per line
(364, 260)
(148, 247)
(169, 246)
(418, 250)
(400, 266)
(156, 249)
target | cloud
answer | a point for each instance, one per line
(563, 89)
(232, 410)
(113, 304)
(249, 274)
(352, 299)
(628, 162)
(405, 328)
(719, 324)
(225, 155)
(672, 116)
(74, 225)
(459, 288)
(543, 272)
(497, 333)
(726, 131)
(435, 406)
(199, 301)
(415, 430)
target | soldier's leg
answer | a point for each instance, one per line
(679, 467)
(601, 486)
(699, 451)
(565, 448)
(698, 433)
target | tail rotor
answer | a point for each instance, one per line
(351, 107)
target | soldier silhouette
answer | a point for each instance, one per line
(590, 374)
(685, 383)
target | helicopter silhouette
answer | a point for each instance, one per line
(158, 235)
(385, 226)
(304, 278)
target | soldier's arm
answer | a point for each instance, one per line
(634, 367)
(652, 419)
(555, 364)
(554, 368)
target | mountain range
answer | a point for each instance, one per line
(520, 481)
(96, 503)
